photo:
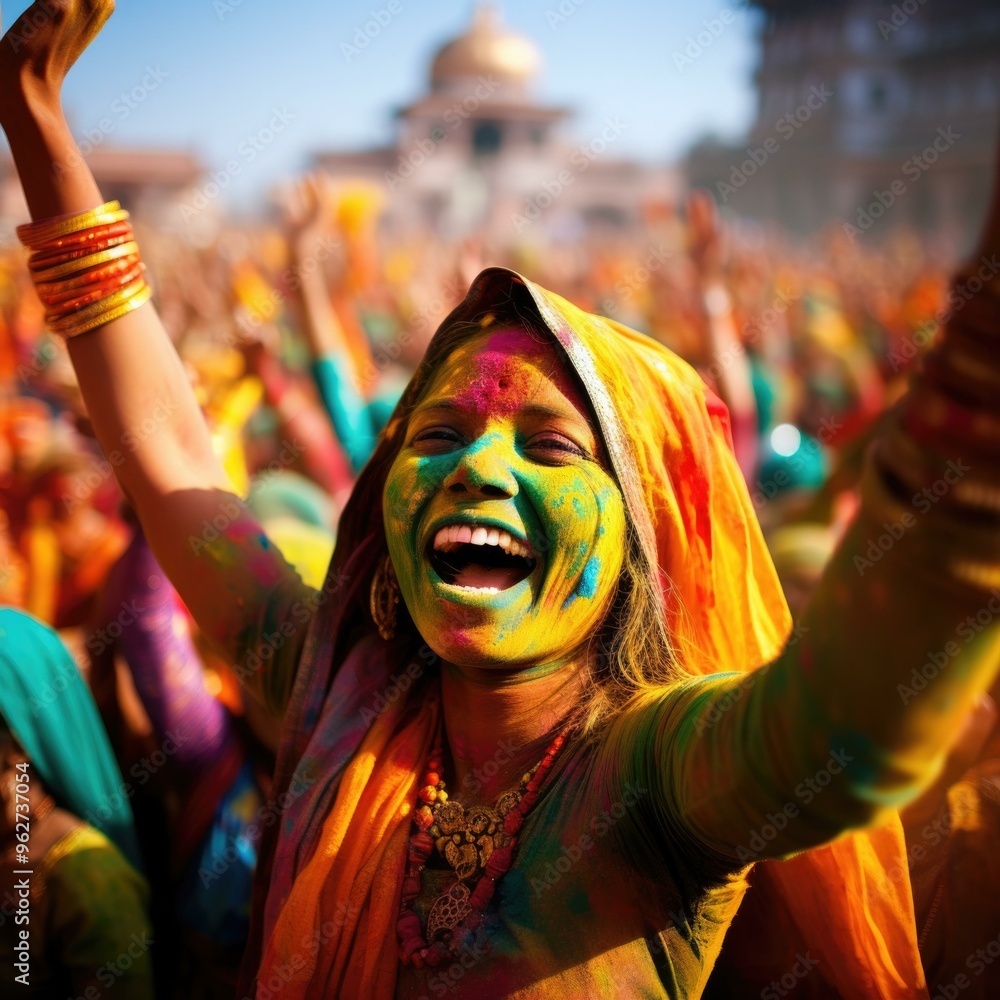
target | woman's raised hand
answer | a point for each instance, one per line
(40, 48)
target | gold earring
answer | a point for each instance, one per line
(384, 599)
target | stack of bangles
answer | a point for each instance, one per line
(86, 268)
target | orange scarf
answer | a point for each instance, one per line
(345, 902)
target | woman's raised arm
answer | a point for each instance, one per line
(856, 717)
(138, 397)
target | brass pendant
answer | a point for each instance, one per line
(448, 911)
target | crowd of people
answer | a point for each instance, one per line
(225, 698)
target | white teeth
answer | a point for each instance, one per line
(450, 537)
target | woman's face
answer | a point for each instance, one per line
(506, 532)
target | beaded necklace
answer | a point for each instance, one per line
(481, 839)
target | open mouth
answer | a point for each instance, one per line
(481, 558)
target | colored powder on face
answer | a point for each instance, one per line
(588, 582)
(587, 587)
(581, 553)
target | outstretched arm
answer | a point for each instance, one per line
(137, 394)
(857, 715)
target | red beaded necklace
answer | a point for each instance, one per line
(482, 839)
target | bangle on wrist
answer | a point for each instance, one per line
(86, 268)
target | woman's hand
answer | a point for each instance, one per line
(40, 48)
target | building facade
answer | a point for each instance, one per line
(477, 153)
(872, 115)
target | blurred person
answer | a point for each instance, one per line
(215, 770)
(335, 359)
(638, 566)
(87, 922)
(55, 492)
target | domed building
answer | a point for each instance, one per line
(478, 153)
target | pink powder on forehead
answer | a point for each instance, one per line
(501, 385)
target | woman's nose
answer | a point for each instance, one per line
(483, 470)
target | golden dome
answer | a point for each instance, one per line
(486, 50)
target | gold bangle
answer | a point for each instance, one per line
(62, 225)
(83, 281)
(83, 263)
(112, 301)
(130, 305)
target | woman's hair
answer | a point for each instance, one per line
(630, 652)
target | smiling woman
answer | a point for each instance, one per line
(553, 545)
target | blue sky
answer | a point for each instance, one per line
(207, 74)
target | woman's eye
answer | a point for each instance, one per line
(555, 443)
(438, 436)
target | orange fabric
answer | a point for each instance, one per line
(345, 902)
(41, 545)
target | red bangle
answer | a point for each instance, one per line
(39, 264)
